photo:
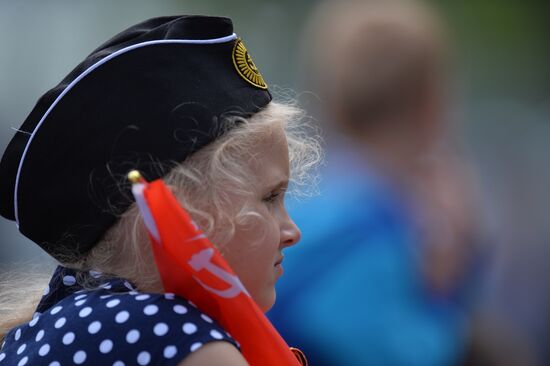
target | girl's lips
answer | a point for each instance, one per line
(279, 269)
(279, 266)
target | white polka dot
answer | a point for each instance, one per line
(95, 274)
(132, 336)
(46, 291)
(80, 296)
(44, 350)
(195, 346)
(69, 280)
(118, 363)
(133, 293)
(55, 363)
(23, 361)
(56, 310)
(18, 334)
(94, 327)
(215, 334)
(105, 296)
(39, 335)
(142, 297)
(85, 312)
(106, 286)
(68, 338)
(80, 302)
(189, 328)
(169, 296)
(79, 357)
(144, 358)
(21, 348)
(180, 309)
(33, 322)
(122, 316)
(128, 285)
(2, 356)
(150, 309)
(113, 303)
(206, 318)
(160, 329)
(60, 322)
(170, 351)
(106, 346)
(192, 303)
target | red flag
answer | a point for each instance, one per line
(191, 267)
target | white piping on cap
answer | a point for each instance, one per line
(89, 70)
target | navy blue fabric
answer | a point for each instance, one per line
(109, 324)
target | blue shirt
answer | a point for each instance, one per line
(353, 292)
(109, 323)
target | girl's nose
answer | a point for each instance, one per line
(290, 233)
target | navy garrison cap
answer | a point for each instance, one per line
(146, 99)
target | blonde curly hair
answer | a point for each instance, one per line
(201, 184)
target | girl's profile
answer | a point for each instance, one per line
(177, 98)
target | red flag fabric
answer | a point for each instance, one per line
(191, 267)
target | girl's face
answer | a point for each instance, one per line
(255, 251)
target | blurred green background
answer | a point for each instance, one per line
(502, 53)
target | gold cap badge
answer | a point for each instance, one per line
(245, 66)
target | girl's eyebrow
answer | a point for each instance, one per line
(279, 185)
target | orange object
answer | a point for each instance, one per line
(191, 267)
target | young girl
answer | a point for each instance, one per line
(174, 97)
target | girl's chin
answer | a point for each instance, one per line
(266, 301)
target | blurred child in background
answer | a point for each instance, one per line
(388, 261)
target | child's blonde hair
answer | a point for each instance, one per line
(201, 183)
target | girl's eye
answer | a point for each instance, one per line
(272, 197)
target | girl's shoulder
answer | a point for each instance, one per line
(107, 327)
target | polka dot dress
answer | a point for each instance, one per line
(110, 325)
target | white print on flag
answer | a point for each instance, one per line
(202, 260)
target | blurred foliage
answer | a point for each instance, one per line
(503, 45)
